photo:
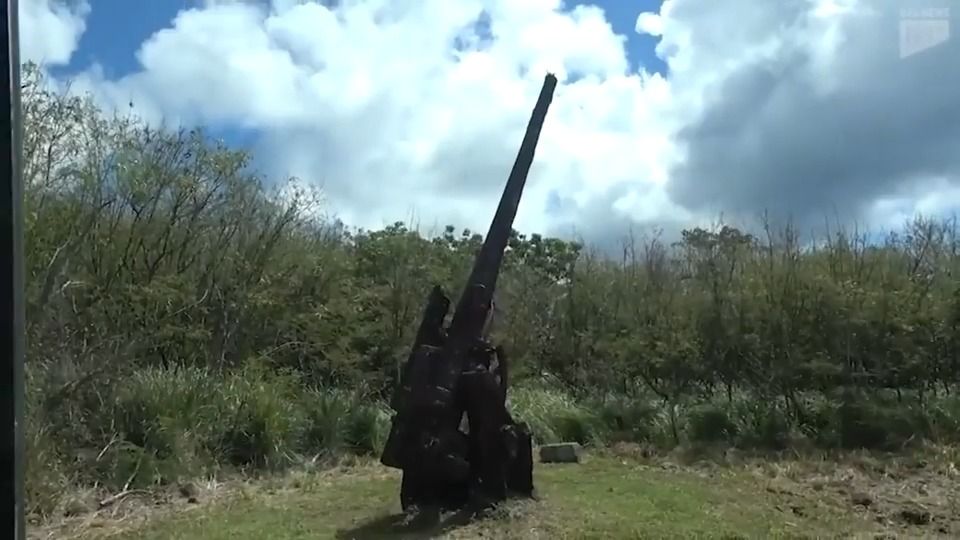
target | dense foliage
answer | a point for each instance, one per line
(185, 314)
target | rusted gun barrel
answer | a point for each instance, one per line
(448, 375)
(432, 384)
(470, 314)
(486, 267)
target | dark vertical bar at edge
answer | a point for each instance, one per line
(11, 275)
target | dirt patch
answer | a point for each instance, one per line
(635, 451)
(82, 512)
(904, 496)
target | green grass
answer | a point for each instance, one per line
(603, 497)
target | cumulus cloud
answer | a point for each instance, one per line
(50, 30)
(816, 109)
(416, 107)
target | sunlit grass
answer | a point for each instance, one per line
(604, 497)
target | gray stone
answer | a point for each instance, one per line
(560, 453)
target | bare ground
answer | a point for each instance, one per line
(626, 491)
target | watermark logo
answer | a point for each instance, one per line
(923, 28)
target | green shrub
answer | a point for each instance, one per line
(327, 421)
(708, 423)
(262, 418)
(164, 418)
(368, 427)
(632, 419)
(944, 417)
(759, 424)
(554, 416)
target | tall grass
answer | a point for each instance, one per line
(165, 425)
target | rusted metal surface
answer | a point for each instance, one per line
(455, 372)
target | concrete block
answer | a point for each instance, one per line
(560, 453)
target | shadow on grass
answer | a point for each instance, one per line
(400, 526)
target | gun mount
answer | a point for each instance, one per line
(454, 371)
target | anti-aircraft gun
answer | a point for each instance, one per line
(454, 371)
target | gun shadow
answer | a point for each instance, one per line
(398, 526)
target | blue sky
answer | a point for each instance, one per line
(117, 28)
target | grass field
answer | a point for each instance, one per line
(617, 494)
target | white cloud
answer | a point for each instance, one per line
(650, 23)
(812, 111)
(50, 30)
(414, 106)
(403, 107)
(930, 197)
